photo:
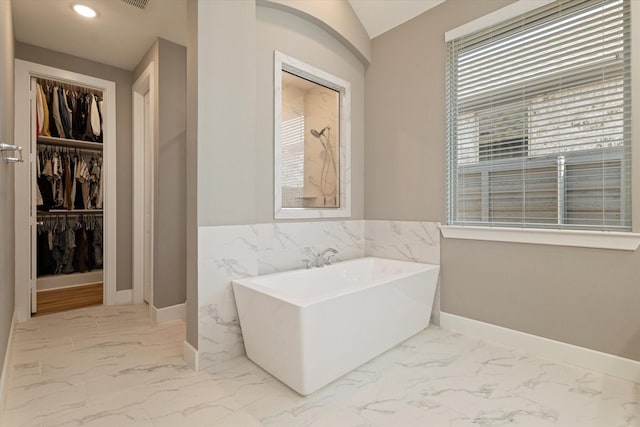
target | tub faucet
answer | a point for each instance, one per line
(321, 258)
(312, 258)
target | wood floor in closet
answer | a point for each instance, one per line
(56, 300)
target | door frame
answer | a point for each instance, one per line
(143, 85)
(25, 211)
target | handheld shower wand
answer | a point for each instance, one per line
(328, 160)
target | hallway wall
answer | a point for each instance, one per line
(123, 80)
(169, 231)
(7, 259)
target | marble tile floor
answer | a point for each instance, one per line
(111, 366)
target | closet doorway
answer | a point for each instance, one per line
(28, 215)
(143, 184)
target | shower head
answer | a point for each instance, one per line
(317, 134)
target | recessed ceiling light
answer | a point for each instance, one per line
(85, 11)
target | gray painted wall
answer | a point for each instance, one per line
(405, 121)
(227, 113)
(295, 36)
(235, 133)
(170, 218)
(192, 173)
(169, 263)
(123, 80)
(7, 259)
(585, 297)
(336, 17)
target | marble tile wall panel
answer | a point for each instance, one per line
(417, 241)
(226, 253)
(283, 245)
(406, 240)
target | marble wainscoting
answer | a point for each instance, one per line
(283, 245)
(417, 241)
(226, 253)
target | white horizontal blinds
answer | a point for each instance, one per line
(539, 129)
(292, 141)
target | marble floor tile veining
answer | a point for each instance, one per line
(111, 366)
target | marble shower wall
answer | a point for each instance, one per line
(416, 241)
(231, 252)
(226, 253)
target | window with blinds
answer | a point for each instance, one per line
(292, 141)
(538, 120)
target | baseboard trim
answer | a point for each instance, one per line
(167, 314)
(605, 363)
(4, 375)
(190, 355)
(124, 297)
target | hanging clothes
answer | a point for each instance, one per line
(55, 105)
(66, 181)
(39, 111)
(68, 113)
(80, 116)
(69, 107)
(48, 93)
(45, 111)
(64, 113)
(95, 117)
(69, 245)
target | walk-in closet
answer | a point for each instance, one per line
(66, 120)
(69, 195)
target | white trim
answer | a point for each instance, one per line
(4, 375)
(25, 212)
(287, 63)
(57, 288)
(124, 297)
(605, 363)
(168, 314)
(190, 355)
(61, 281)
(573, 238)
(514, 9)
(145, 83)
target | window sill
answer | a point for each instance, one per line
(574, 238)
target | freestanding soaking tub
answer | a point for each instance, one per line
(309, 327)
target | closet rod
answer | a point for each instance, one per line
(51, 141)
(70, 212)
(69, 86)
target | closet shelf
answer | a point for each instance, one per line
(71, 211)
(70, 143)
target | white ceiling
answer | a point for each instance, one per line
(379, 16)
(121, 34)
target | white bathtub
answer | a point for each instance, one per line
(309, 327)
